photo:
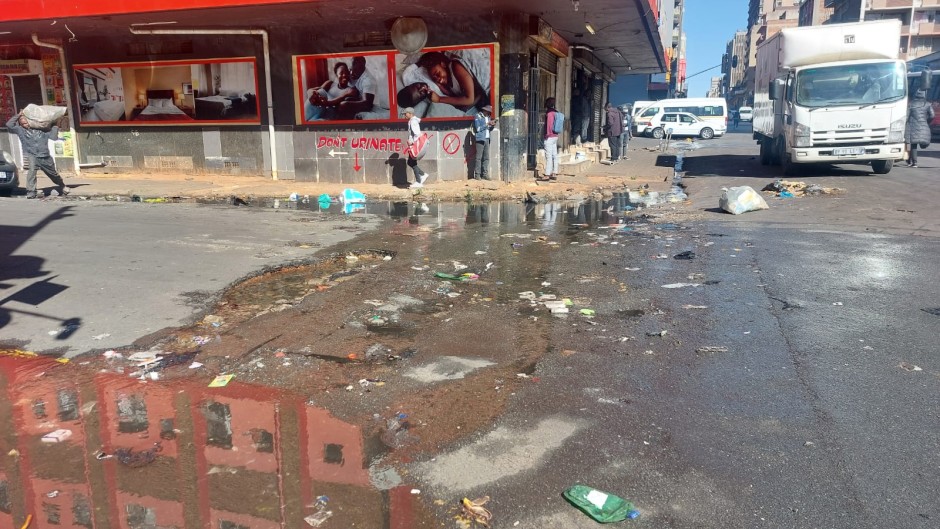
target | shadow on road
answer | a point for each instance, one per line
(748, 166)
(17, 267)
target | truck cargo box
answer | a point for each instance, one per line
(802, 46)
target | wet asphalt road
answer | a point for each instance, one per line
(782, 394)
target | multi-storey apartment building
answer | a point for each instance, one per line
(765, 18)
(815, 12)
(734, 66)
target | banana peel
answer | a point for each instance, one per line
(472, 511)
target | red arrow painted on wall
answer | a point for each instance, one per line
(357, 166)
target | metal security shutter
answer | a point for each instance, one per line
(548, 61)
(597, 94)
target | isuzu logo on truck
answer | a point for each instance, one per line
(850, 126)
(850, 39)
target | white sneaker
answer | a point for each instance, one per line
(416, 184)
(423, 178)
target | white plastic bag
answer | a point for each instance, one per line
(737, 200)
(43, 116)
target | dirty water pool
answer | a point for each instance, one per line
(341, 369)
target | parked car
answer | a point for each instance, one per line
(682, 124)
(9, 174)
(746, 114)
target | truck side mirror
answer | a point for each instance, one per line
(925, 78)
(775, 91)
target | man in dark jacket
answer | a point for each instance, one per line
(917, 134)
(614, 128)
(35, 144)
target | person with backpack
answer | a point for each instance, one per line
(554, 124)
(483, 124)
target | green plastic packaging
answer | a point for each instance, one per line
(604, 507)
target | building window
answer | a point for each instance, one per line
(218, 425)
(132, 414)
(333, 454)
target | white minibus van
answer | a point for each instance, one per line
(714, 110)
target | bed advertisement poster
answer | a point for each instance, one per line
(207, 91)
(442, 83)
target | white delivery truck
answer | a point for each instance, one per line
(831, 94)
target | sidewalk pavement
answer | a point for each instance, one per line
(644, 167)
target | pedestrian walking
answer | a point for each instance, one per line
(417, 141)
(551, 140)
(483, 124)
(737, 118)
(35, 144)
(917, 134)
(627, 134)
(613, 129)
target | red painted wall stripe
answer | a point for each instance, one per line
(46, 9)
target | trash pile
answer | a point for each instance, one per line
(737, 200)
(789, 189)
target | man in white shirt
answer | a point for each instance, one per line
(416, 141)
(365, 85)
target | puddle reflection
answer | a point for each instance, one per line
(237, 457)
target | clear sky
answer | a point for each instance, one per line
(708, 26)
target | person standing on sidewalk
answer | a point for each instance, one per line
(627, 134)
(416, 143)
(483, 123)
(35, 144)
(551, 141)
(613, 128)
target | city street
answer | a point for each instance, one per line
(777, 369)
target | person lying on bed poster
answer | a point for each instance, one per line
(460, 78)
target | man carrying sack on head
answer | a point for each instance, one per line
(35, 142)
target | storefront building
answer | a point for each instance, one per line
(314, 90)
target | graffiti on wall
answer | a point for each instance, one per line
(216, 91)
(449, 83)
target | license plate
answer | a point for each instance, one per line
(845, 151)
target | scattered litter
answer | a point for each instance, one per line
(111, 353)
(14, 453)
(682, 285)
(546, 284)
(837, 303)
(221, 381)
(468, 276)
(201, 340)
(57, 436)
(711, 349)
(528, 295)
(316, 519)
(661, 333)
(351, 196)
(787, 188)
(737, 200)
(416, 491)
(909, 367)
(603, 507)
(100, 336)
(52, 494)
(695, 307)
(139, 458)
(215, 321)
(587, 312)
(195, 365)
(935, 311)
(631, 269)
(685, 256)
(479, 252)
(472, 511)
(99, 455)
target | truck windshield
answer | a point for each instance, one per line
(851, 84)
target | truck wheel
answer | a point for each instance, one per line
(789, 168)
(707, 133)
(658, 133)
(765, 157)
(882, 166)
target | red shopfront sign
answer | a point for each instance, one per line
(46, 9)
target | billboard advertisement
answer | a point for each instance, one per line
(444, 83)
(207, 91)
